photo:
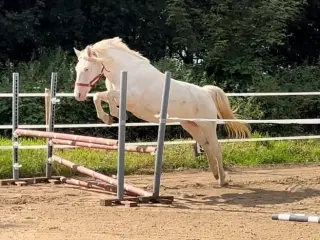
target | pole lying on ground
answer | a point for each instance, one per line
(92, 184)
(122, 134)
(104, 178)
(296, 217)
(161, 134)
(15, 120)
(81, 183)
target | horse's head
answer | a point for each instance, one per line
(111, 53)
(88, 72)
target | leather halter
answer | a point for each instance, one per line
(94, 81)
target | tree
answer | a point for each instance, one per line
(235, 39)
(303, 38)
(19, 20)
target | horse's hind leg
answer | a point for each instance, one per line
(210, 134)
(198, 135)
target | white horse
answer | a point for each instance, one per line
(144, 92)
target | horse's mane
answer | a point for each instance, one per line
(116, 42)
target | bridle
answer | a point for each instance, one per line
(94, 81)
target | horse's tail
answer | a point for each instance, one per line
(240, 129)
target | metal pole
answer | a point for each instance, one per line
(15, 120)
(161, 134)
(50, 127)
(122, 133)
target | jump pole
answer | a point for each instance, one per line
(92, 184)
(161, 134)
(64, 136)
(51, 117)
(128, 148)
(122, 134)
(77, 182)
(296, 217)
(15, 122)
(47, 102)
(102, 177)
(83, 141)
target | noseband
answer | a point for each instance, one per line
(94, 81)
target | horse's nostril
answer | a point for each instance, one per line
(79, 95)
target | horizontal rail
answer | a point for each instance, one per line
(266, 94)
(179, 142)
(268, 121)
(252, 94)
(147, 124)
(85, 125)
(34, 147)
(128, 148)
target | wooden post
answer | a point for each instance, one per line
(47, 100)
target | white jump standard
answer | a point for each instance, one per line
(133, 194)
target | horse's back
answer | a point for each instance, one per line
(186, 100)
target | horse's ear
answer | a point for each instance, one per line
(77, 52)
(90, 52)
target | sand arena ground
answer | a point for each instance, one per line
(201, 209)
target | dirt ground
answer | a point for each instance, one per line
(201, 209)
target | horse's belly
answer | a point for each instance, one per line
(143, 113)
(183, 109)
(185, 100)
(176, 108)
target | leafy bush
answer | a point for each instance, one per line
(35, 77)
(299, 79)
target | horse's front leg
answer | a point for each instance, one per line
(113, 97)
(98, 97)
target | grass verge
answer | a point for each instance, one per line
(175, 157)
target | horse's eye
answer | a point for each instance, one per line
(86, 69)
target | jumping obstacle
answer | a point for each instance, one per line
(134, 195)
(83, 141)
(139, 194)
(296, 217)
(99, 176)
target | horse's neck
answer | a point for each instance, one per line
(126, 60)
(113, 77)
(109, 85)
(130, 65)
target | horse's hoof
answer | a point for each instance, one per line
(224, 184)
(107, 119)
(110, 121)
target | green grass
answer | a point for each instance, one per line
(175, 157)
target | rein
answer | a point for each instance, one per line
(94, 81)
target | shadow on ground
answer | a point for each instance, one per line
(246, 198)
